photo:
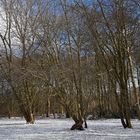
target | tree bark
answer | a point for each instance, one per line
(137, 103)
(48, 107)
(29, 117)
(78, 123)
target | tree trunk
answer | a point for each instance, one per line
(9, 115)
(138, 78)
(137, 103)
(125, 108)
(48, 107)
(67, 111)
(86, 126)
(29, 117)
(78, 123)
(67, 114)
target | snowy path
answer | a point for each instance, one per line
(51, 129)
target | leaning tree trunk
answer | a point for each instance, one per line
(78, 123)
(27, 114)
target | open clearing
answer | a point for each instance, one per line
(59, 129)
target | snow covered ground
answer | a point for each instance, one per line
(58, 129)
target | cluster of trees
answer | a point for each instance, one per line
(70, 57)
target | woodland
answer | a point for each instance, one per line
(77, 59)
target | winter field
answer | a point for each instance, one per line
(58, 129)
